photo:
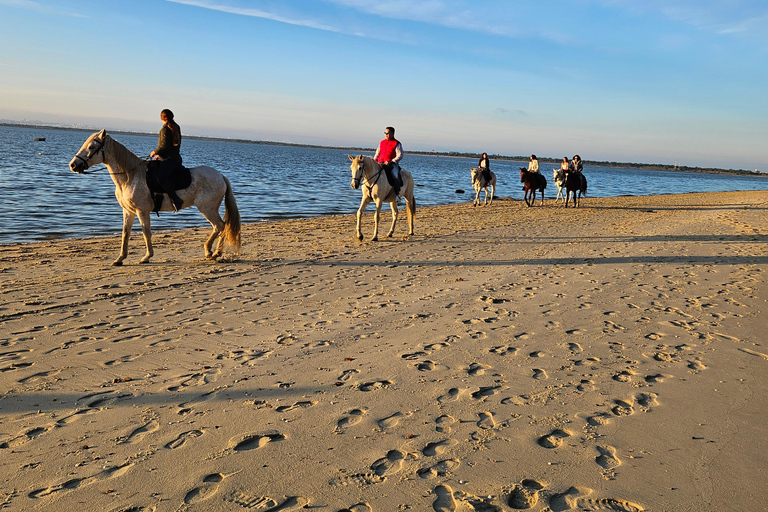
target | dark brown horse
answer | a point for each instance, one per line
(532, 181)
(575, 187)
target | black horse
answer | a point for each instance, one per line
(532, 181)
(575, 186)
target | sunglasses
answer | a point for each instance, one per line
(387, 133)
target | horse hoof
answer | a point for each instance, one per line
(375, 239)
(117, 263)
(143, 262)
(360, 237)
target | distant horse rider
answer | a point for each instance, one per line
(169, 155)
(576, 166)
(533, 164)
(388, 154)
(485, 167)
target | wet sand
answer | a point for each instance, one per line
(610, 357)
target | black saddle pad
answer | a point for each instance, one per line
(391, 178)
(174, 176)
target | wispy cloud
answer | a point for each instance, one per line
(257, 13)
(39, 7)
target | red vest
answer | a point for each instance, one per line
(387, 150)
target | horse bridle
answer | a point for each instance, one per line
(364, 179)
(87, 159)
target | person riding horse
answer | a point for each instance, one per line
(388, 155)
(168, 155)
(576, 167)
(485, 167)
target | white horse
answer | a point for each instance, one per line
(129, 173)
(479, 183)
(367, 172)
(559, 179)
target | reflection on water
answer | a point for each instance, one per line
(43, 199)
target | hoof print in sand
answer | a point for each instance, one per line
(524, 495)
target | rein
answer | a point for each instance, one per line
(368, 183)
(87, 159)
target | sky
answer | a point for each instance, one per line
(646, 81)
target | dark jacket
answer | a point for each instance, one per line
(169, 143)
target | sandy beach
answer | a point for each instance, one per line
(611, 357)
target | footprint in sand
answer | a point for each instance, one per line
(503, 350)
(444, 423)
(182, 438)
(441, 469)
(575, 348)
(267, 504)
(486, 420)
(438, 448)
(568, 500)
(139, 433)
(347, 374)
(358, 507)
(609, 504)
(477, 369)
(391, 464)
(623, 376)
(205, 491)
(696, 365)
(486, 391)
(425, 366)
(524, 495)
(444, 501)
(599, 419)
(586, 385)
(607, 458)
(622, 408)
(452, 395)
(539, 374)
(354, 417)
(298, 405)
(373, 386)
(392, 421)
(652, 379)
(252, 441)
(554, 439)
(647, 400)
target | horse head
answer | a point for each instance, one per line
(523, 170)
(90, 154)
(358, 170)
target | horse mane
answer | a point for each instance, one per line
(123, 156)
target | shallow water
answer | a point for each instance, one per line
(43, 199)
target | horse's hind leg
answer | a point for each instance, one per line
(217, 232)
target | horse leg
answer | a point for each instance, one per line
(128, 218)
(410, 208)
(542, 197)
(493, 191)
(393, 207)
(363, 204)
(477, 196)
(376, 215)
(217, 232)
(146, 230)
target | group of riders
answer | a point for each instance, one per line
(574, 166)
(166, 158)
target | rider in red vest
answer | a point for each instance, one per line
(388, 154)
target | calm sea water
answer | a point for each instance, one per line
(42, 199)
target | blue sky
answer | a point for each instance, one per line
(655, 81)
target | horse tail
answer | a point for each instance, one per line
(231, 218)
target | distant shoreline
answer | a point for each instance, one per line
(448, 154)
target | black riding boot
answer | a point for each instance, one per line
(177, 201)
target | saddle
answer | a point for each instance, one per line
(391, 178)
(164, 176)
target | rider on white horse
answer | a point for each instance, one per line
(388, 154)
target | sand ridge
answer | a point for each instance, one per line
(503, 358)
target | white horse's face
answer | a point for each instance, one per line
(91, 153)
(358, 170)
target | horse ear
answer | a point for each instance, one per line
(102, 134)
(350, 157)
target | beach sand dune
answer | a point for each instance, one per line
(610, 357)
